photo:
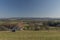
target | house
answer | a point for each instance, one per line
(20, 25)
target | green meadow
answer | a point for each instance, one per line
(30, 35)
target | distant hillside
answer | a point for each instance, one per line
(29, 18)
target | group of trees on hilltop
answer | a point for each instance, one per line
(54, 24)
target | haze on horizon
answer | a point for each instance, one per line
(29, 8)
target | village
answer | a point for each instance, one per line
(29, 25)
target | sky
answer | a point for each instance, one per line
(29, 8)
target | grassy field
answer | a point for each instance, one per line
(30, 35)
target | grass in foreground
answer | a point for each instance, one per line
(30, 35)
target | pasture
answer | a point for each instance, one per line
(30, 35)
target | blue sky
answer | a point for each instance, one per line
(30, 8)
